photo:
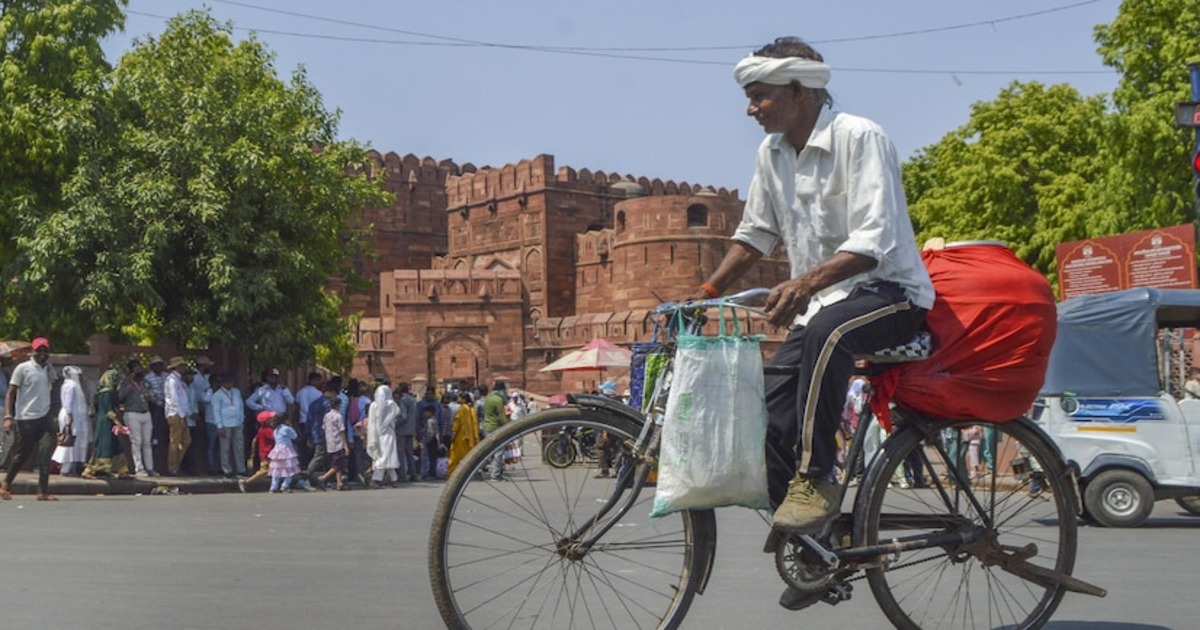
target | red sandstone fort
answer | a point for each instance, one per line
(493, 273)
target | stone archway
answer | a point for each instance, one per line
(459, 357)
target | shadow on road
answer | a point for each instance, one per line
(1100, 625)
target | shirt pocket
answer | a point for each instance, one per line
(829, 220)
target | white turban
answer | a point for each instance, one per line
(781, 71)
(72, 373)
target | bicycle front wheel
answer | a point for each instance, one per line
(508, 553)
(1016, 517)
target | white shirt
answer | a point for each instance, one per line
(33, 389)
(841, 193)
(177, 396)
(273, 398)
(228, 412)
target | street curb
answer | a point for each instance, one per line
(26, 483)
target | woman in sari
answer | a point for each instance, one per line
(73, 420)
(466, 431)
(107, 458)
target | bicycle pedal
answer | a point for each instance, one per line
(837, 594)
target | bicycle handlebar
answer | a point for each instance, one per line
(735, 301)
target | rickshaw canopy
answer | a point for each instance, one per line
(1107, 343)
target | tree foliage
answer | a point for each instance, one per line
(52, 77)
(1041, 165)
(215, 208)
(1015, 172)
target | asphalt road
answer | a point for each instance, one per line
(358, 560)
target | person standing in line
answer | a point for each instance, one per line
(406, 431)
(356, 423)
(466, 432)
(200, 389)
(133, 404)
(429, 443)
(304, 398)
(178, 409)
(228, 411)
(446, 421)
(156, 397)
(111, 449)
(316, 434)
(495, 417)
(27, 416)
(272, 396)
(73, 419)
(6, 439)
(382, 437)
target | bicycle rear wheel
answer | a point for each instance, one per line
(1023, 510)
(560, 452)
(506, 554)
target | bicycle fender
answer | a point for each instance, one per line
(706, 545)
(604, 403)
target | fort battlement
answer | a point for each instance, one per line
(474, 185)
(411, 169)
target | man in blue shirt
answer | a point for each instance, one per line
(316, 434)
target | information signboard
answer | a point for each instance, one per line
(1164, 258)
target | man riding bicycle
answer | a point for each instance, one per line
(828, 185)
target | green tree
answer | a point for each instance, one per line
(1147, 182)
(52, 74)
(1018, 171)
(215, 211)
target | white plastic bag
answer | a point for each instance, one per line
(715, 427)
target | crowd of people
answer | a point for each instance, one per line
(178, 417)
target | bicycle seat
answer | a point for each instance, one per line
(916, 349)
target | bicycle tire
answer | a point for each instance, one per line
(560, 454)
(933, 587)
(495, 553)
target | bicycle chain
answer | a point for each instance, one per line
(863, 576)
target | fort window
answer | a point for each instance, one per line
(621, 221)
(697, 215)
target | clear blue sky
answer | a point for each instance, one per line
(686, 120)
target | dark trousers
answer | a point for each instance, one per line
(33, 435)
(196, 458)
(804, 407)
(160, 435)
(318, 464)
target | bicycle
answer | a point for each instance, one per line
(549, 548)
(569, 445)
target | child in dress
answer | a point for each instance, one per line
(285, 463)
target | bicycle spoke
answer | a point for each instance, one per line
(955, 589)
(515, 553)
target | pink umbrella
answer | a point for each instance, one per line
(596, 355)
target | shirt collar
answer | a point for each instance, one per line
(820, 138)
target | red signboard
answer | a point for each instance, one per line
(1164, 258)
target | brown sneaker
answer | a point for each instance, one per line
(810, 503)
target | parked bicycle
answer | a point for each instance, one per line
(552, 547)
(569, 445)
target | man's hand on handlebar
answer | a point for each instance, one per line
(787, 300)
